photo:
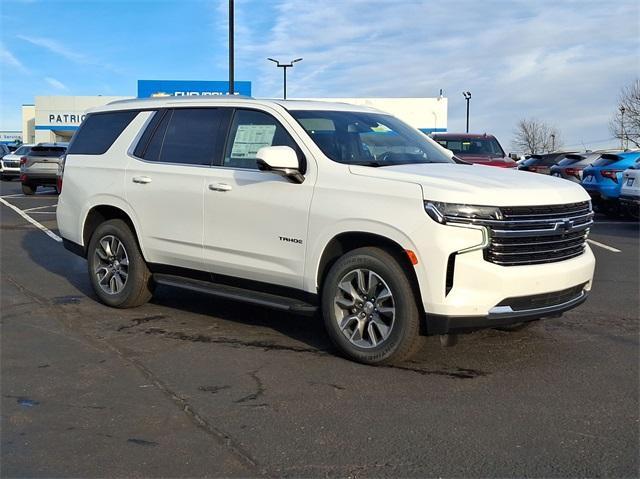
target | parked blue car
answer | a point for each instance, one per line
(603, 179)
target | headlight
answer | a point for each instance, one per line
(459, 213)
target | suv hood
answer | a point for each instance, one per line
(501, 161)
(480, 185)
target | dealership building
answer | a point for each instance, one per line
(56, 118)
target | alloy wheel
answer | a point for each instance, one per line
(364, 308)
(111, 264)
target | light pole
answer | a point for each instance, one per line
(284, 67)
(467, 96)
(231, 62)
(622, 110)
(553, 142)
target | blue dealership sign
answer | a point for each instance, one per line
(159, 88)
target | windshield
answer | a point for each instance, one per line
(606, 160)
(370, 139)
(48, 151)
(473, 146)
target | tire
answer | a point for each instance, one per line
(28, 189)
(6, 178)
(366, 340)
(135, 286)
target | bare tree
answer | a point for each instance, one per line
(534, 136)
(625, 124)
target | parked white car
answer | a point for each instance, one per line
(630, 191)
(10, 164)
(305, 206)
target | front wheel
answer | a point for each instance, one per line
(369, 307)
(118, 272)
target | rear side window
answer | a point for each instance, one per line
(54, 151)
(183, 136)
(23, 150)
(99, 131)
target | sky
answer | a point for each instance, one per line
(562, 62)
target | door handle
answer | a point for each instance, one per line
(220, 187)
(143, 180)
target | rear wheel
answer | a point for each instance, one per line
(369, 307)
(118, 272)
(28, 189)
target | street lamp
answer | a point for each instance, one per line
(553, 142)
(284, 67)
(622, 110)
(231, 48)
(467, 96)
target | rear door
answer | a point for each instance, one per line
(165, 181)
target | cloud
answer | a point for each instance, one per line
(58, 48)
(563, 62)
(54, 47)
(9, 59)
(57, 84)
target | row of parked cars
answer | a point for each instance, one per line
(36, 165)
(611, 177)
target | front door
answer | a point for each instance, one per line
(255, 223)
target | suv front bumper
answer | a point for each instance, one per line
(502, 315)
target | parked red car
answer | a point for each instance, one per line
(482, 149)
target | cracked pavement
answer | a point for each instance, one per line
(190, 386)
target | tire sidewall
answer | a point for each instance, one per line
(403, 297)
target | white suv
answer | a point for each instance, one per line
(305, 206)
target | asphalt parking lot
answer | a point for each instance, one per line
(189, 386)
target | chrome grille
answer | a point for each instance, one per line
(538, 234)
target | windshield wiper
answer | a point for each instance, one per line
(375, 164)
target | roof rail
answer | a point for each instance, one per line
(179, 98)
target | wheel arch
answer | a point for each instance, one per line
(100, 213)
(347, 241)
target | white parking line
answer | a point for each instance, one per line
(29, 210)
(37, 196)
(46, 230)
(604, 246)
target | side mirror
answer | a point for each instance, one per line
(280, 159)
(514, 156)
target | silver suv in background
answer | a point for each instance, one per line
(40, 166)
(10, 164)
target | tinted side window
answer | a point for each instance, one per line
(99, 131)
(23, 150)
(153, 149)
(250, 131)
(141, 147)
(191, 136)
